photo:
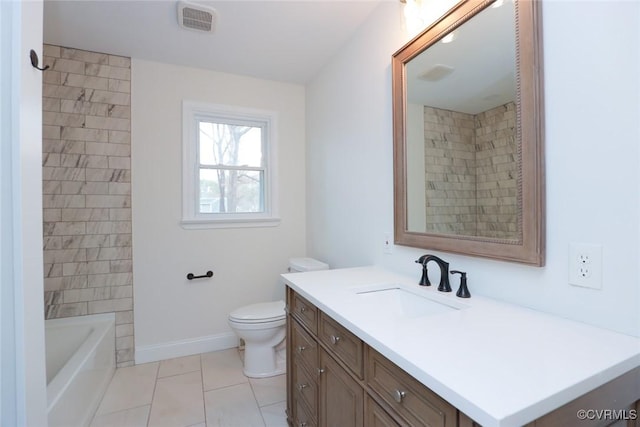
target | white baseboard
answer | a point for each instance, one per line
(187, 347)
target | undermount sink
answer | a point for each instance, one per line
(402, 302)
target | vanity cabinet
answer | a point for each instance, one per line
(324, 383)
(334, 379)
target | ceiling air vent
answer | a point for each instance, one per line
(196, 17)
(437, 72)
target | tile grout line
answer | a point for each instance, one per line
(153, 394)
(264, 422)
(204, 402)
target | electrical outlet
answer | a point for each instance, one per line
(585, 265)
(388, 243)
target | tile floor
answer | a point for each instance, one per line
(203, 390)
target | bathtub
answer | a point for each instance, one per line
(80, 355)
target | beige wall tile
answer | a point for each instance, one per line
(110, 305)
(67, 65)
(111, 123)
(111, 279)
(119, 61)
(124, 317)
(108, 149)
(106, 97)
(83, 107)
(51, 50)
(66, 310)
(120, 73)
(108, 201)
(84, 55)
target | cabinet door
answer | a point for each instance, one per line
(341, 397)
(375, 416)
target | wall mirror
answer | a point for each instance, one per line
(468, 133)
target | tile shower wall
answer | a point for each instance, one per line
(496, 172)
(87, 189)
(450, 169)
(471, 172)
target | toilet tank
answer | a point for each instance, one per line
(306, 264)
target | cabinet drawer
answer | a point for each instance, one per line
(302, 417)
(414, 402)
(346, 346)
(305, 387)
(304, 347)
(305, 312)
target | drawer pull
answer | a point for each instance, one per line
(398, 395)
(303, 424)
(302, 386)
(301, 349)
(303, 309)
(334, 339)
(320, 371)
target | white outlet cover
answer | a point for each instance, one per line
(585, 265)
(388, 243)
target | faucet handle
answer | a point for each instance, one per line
(424, 279)
(463, 291)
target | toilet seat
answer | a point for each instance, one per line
(259, 313)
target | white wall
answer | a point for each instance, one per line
(591, 55)
(174, 316)
(22, 369)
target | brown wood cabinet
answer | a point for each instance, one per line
(341, 396)
(334, 379)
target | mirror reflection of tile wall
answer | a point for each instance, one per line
(87, 189)
(471, 172)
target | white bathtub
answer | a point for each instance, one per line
(80, 363)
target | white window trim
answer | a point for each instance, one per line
(191, 218)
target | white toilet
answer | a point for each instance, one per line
(262, 327)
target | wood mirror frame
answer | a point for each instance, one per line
(529, 248)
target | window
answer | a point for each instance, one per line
(228, 167)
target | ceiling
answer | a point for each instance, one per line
(482, 59)
(286, 41)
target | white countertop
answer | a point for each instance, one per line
(501, 364)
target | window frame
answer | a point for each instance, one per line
(192, 114)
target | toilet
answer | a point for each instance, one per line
(262, 327)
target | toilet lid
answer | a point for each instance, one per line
(261, 312)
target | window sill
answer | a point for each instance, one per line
(201, 224)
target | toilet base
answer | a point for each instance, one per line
(263, 362)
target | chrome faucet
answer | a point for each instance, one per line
(444, 272)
